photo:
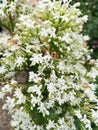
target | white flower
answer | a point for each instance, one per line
(67, 38)
(56, 15)
(50, 125)
(61, 66)
(37, 127)
(46, 60)
(2, 69)
(26, 20)
(50, 103)
(85, 18)
(65, 18)
(77, 4)
(43, 110)
(51, 88)
(7, 54)
(13, 82)
(80, 68)
(91, 94)
(2, 95)
(6, 88)
(12, 8)
(86, 38)
(86, 122)
(10, 74)
(14, 48)
(21, 120)
(19, 95)
(61, 121)
(36, 58)
(9, 104)
(43, 32)
(62, 84)
(59, 110)
(78, 114)
(35, 89)
(53, 76)
(51, 32)
(61, 98)
(35, 100)
(93, 73)
(95, 116)
(19, 61)
(34, 77)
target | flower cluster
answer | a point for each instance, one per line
(46, 66)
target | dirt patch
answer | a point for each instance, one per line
(4, 118)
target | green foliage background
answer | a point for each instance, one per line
(90, 7)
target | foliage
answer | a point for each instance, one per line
(47, 66)
(90, 8)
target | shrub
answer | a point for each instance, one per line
(47, 66)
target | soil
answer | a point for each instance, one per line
(4, 118)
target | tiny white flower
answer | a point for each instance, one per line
(50, 125)
(65, 18)
(61, 66)
(19, 95)
(14, 48)
(35, 100)
(95, 115)
(61, 121)
(56, 15)
(26, 20)
(2, 69)
(86, 38)
(12, 8)
(59, 110)
(43, 32)
(93, 73)
(91, 94)
(13, 82)
(78, 114)
(19, 61)
(51, 32)
(85, 18)
(67, 38)
(35, 89)
(86, 122)
(51, 88)
(34, 77)
(42, 108)
(36, 58)
(80, 68)
(9, 104)
(6, 88)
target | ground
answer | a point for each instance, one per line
(4, 118)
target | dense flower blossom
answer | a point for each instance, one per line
(46, 66)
